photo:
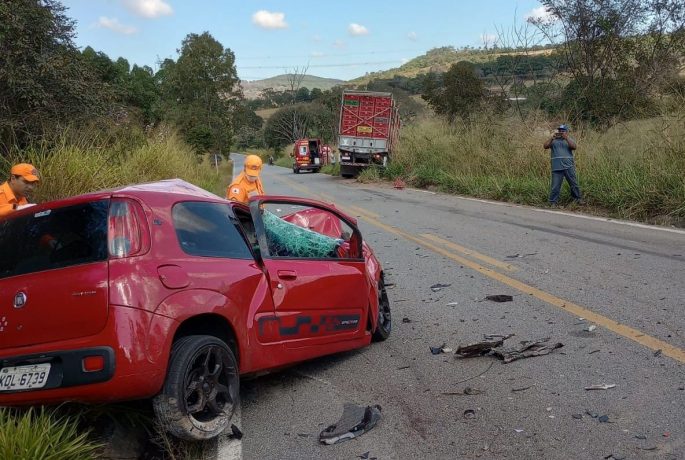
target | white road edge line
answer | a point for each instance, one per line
(580, 216)
(230, 448)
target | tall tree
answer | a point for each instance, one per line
(458, 94)
(200, 90)
(615, 48)
(43, 80)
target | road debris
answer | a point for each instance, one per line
(469, 413)
(518, 430)
(577, 416)
(439, 287)
(355, 421)
(590, 328)
(440, 349)
(603, 419)
(641, 436)
(525, 349)
(499, 298)
(591, 414)
(615, 457)
(657, 353)
(406, 320)
(399, 184)
(403, 367)
(452, 304)
(235, 432)
(468, 391)
(520, 256)
(604, 386)
(514, 390)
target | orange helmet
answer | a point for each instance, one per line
(253, 165)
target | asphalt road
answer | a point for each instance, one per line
(627, 280)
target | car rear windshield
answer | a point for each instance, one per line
(54, 238)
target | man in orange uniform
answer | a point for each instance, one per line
(248, 182)
(22, 181)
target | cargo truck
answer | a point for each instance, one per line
(368, 131)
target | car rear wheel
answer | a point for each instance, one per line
(201, 390)
(384, 325)
(296, 170)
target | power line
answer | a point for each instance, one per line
(350, 64)
(325, 55)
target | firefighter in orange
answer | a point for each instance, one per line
(23, 179)
(248, 182)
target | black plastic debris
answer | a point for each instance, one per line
(406, 320)
(499, 298)
(577, 416)
(525, 349)
(355, 421)
(469, 413)
(439, 287)
(235, 432)
(657, 353)
(603, 419)
(479, 348)
(364, 456)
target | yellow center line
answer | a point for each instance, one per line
(621, 329)
(470, 252)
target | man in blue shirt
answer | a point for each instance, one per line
(561, 147)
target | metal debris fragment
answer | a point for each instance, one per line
(355, 421)
(605, 386)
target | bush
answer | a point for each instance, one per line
(39, 434)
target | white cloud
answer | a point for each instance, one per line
(488, 39)
(357, 29)
(540, 14)
(269, 20)
(316, 38)
(149, 8)
(412, 36)
(317, 54)
(339, 44)
(404, 60)
(114, 25)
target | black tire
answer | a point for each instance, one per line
(347, 176)
(384, 325)
(201, 390)
(296, 170)
(317, 170)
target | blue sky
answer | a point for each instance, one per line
(337, 39)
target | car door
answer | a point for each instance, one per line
(312, 254)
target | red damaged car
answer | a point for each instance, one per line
(164, 290)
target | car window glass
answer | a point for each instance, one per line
(209, 229)
(53, 238)
(294, 231)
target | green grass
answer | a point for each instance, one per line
(333, 170)
(43, 434)
(634, 170)
(74, 167)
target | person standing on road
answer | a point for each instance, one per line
(561, 147)
(14, 192)
(248, 182)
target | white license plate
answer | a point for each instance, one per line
(316, 161)
(345, 158)
(24, 377)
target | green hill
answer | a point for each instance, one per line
(251, 89)
(440, 59)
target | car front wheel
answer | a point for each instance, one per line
(384, 325)
(201, 390)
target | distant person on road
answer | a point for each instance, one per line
(561, 147)
(13, 193)
(248, 182)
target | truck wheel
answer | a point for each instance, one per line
(201, 389)
(296, 170)
(384, 325)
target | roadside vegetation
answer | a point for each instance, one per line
(633, 170)
(43, 434)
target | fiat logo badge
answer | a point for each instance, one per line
(19, 300)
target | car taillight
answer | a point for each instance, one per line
(123, 232)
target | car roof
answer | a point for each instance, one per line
(174, 189)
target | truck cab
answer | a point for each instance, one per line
(307, 155)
